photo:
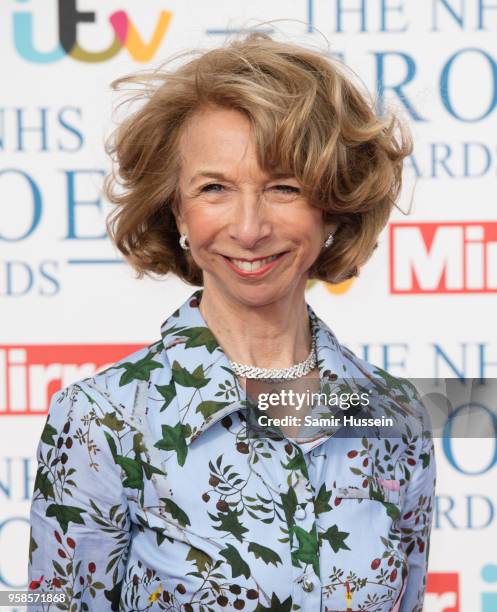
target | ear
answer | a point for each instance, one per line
(331, 228)
(331, 222)
(180, 224)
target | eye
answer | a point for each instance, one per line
(286, 188)
(212, 187)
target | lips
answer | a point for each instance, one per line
(252, 266)
(255, 267)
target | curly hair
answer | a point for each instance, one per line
(307, 116)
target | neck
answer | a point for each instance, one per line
(273, 335)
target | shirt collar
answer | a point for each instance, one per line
(205, 386)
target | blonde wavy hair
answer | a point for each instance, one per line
(308, 117)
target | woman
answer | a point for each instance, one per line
(249, 170)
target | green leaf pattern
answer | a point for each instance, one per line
(150, 494)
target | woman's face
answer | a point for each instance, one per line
(236, 216)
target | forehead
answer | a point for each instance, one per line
(216, 132)
(219, 138)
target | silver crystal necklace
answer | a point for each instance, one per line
(295, 371)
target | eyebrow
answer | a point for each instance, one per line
(221, 176)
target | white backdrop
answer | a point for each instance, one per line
(422, 306)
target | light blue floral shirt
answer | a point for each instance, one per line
(151, 494)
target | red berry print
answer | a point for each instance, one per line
(35, 584)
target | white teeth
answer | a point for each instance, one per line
(253, 266)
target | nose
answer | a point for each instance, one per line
(250, 220)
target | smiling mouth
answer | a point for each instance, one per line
(253, 265)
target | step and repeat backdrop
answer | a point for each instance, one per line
(424, 306)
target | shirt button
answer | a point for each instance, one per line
(308, 585)
(300, 513)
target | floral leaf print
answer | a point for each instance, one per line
(307, 551)
(43, 484)
(48, 434)
(114, 595)
(160, 515)
(149, 469)
(32, 546)
(200, 336)
(276, 605)
(392, 510)
(199, 558)
(425, 458)
(289, 503)
(94, 539)
(228, 522)
(175, 511)
(133, 468)
(168, 392)
(335, 538)
(394, 383)
(174, 439)
(65, 515)
(266, 554)
(112, 422)
(173, 330)
(138, 370)
(297, 463)
(238, 565)
(114, 522)
(138, 445)
(321, 502)
(185, 378)
(209, 407)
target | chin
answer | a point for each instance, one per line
(258, 295)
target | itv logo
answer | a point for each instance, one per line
(444, 257)
(125, 34)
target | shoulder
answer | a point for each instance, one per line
(120, 380)
(104, 401)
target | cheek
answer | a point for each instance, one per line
(304, 220)
(202, 223)
(309, 230)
